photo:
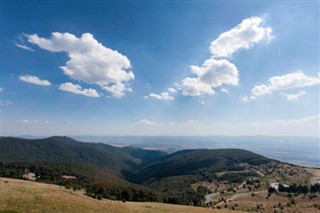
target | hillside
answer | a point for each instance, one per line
(26, 196)
(203, 177)
(188, 161)
(64, 150)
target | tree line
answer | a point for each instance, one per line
(296, 188)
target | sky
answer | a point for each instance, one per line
(160, 68)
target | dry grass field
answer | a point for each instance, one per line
(27, 196)
(315, 175)
(275, 203)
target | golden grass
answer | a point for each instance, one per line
(249, 204)
(27, 196)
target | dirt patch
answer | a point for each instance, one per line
(315, 178)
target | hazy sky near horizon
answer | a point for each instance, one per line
(160, 68)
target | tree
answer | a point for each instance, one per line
(271, 190)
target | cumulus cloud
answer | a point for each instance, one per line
(177, 86)
(213, 73)
(195, 87)
(164, 96)
(5, 103)
(224, 90)
(295, 96)
(217, 72)
(89, 60)
(34, 80)
(288, 81)
(147, 122)
(292, 80)
(249, 32)
(259, 90)
(28, 121)
(172, 90)
(77, 89)
(170, 123)
(307, 120)
(1, 89)
(189, 122)
(117, 90)
(22, 46)
(245, 98)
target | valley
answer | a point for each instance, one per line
(227, 179)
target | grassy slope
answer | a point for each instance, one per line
(26, 196)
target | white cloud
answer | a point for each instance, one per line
(77, 89)
(213, 73)
(293, 80)
(217, 72)
(34, 80)
(163, 96)
(22, 46)
(172, 90)
(2, 89)
(146, 122)
(243, 36)
(244, 98)
(28, 121)
(170, 123)
(5, 102)
(194, 87)
(225, 90)
(260, 90)
(178, 86)
(307, 120)
(295, 96)
(285, 82)
(117, 90)
(189, 122)
(89, 60)
(253, 123)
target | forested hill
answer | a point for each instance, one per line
(190, 161)
(67, 150)
(140, 163)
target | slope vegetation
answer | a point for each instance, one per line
(187, 162)
(27, 196)
(64, 150)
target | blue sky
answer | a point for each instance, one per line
(161, 68)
